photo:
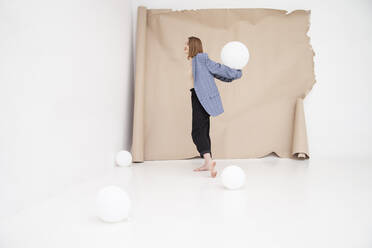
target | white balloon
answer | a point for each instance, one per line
(235, 55)
(123, 158)
(233, 177)
(113, 204)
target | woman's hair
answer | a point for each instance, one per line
(195, 46)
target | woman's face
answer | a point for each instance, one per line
(186, 48)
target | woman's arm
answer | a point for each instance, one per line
(222, 72)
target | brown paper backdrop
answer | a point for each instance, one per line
(263, 109)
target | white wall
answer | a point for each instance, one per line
(338, 109)
(65, 94)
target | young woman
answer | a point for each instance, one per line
(205, 97)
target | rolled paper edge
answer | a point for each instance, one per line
(299, 142)
(137, 148)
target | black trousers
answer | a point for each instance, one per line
(200, 126)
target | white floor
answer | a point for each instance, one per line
(285, 203)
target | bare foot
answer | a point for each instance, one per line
(213, 171)
(209, 166)
(205, 167)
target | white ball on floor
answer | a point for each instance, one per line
(235, 55)
(233, 177)
(113, 204)
(123, 158)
